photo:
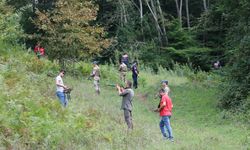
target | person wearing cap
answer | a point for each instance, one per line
(123, 71)
(125, 59)
(96, 75)
(60, 87)
(165, 111)
(135, 74)
(165, 88)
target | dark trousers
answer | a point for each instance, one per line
(128, 118)
(135, 83)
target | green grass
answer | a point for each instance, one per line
(32, 118)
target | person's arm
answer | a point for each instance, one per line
(121, 91)
(161, 106)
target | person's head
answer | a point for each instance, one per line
(128, 84)
(162, 92)
(135, 62)
(62, 72)
(164, 83)
(95, 63)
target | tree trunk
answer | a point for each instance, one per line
(162, 22)
(179, 10)
(205, 5)
(187, 12)
(156, 20)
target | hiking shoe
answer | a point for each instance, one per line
(165, 138)
(171, 139)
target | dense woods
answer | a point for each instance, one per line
(154, 32)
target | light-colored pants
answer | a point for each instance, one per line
(123, 76)
(97, 85)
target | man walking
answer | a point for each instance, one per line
(135, 74)
(96, 75)
(127, 97)
(60, 87)
(165, 111)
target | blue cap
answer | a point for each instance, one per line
(95, 62)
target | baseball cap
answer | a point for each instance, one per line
(164, 81)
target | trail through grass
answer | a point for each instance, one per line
(196, 123)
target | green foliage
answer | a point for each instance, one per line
(10, 29)
(178, 37)
(237, 86)
(69, 34)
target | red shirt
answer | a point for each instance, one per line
(167, 110)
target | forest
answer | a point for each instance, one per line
(210, 37)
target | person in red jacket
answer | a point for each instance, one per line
(165, 111)
(37, 48)
(42, 51)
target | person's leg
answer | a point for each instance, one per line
(128, 118)
(62, 98)
(97, 86)
(134, 81)
(168, 126)
(163, 131)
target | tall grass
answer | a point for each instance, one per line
(31, 116)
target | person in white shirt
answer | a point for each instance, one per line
(60, 88)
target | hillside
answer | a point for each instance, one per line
(32, 118)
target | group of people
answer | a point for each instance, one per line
(127, 93)
(39, 51)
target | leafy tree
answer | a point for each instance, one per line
(10, 29)
(236, 87)
(69, 30)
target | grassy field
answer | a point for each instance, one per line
(32, 118)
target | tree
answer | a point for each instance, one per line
(69, 30)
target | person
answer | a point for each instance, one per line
(165, 111)
(135, 74)
(96, 75)
(127, 97)
(165, 88)
(42, 51)
(60, 87)
(123, 71)
(125, 59)
(37, 50)
(217, 64)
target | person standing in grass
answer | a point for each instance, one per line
(60, 87)
(123, 71)
(96, 75)
(165, 111)
(165, 88)
(127, 96)
(135, 74)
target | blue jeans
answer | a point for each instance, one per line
(165, 122)
(62, 98)
(135, 83)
